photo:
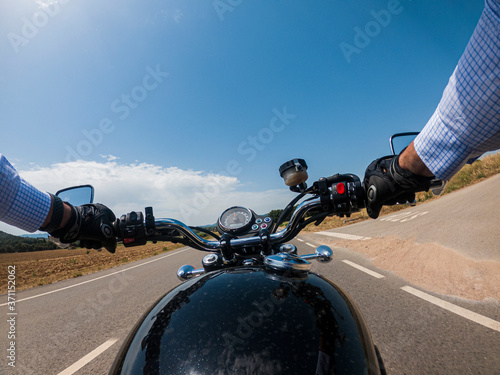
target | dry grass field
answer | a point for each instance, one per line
(46, 267)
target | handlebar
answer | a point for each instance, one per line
(341, 194)
(284, 235)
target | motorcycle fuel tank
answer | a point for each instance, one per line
(250, 321)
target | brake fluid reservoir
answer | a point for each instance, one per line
(294, 172)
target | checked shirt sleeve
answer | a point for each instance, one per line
(21, 204)
(466, 122)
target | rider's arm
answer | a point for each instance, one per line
(466, 122)
(464, 126)
(24, 206)
(410, 161)
(65, 218)
(21, 204)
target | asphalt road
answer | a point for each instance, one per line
(77, 326)
(467, 221)
(56, 330)
(413, 335)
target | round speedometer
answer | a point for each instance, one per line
(235, 220)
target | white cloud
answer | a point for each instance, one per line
(194, 197)
(109, 157)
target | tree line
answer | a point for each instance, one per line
(15, 244)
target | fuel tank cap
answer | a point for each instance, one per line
(286, 261)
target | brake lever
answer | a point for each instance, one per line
(150, 221)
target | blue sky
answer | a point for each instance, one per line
(193, 105)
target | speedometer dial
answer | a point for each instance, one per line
(235, 220)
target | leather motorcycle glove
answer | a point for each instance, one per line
(92, 224)
(386, 183)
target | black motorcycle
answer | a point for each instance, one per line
(254, 307)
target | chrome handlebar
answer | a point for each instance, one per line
(338, 195)
(163, 226)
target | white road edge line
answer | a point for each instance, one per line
(88, 358)
(97, 278)
(300, 239)
(365, 270)
(344, 236)
(467, 314)
(310, 244)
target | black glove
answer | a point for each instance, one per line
(386, 183)
(92, 224)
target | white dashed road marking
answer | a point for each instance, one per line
(343, 236)
(365, 270)
(97, 278)
(88, 358)
(467, 314)
(403, 217)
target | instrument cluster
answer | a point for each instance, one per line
(239, 220)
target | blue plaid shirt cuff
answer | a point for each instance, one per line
(30, 208)
(21, 204)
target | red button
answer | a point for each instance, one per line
(340, 188)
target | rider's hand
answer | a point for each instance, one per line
(92, 224)
(386, 183)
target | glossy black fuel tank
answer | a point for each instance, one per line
(250, 321)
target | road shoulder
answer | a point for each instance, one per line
(430, 266)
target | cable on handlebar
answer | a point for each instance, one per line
(316, 219)
(206, 231)
(288, 209)
(340, 194)
(225, 247)
(265, 240)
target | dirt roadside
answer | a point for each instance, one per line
(430, 266)
(46, 267)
